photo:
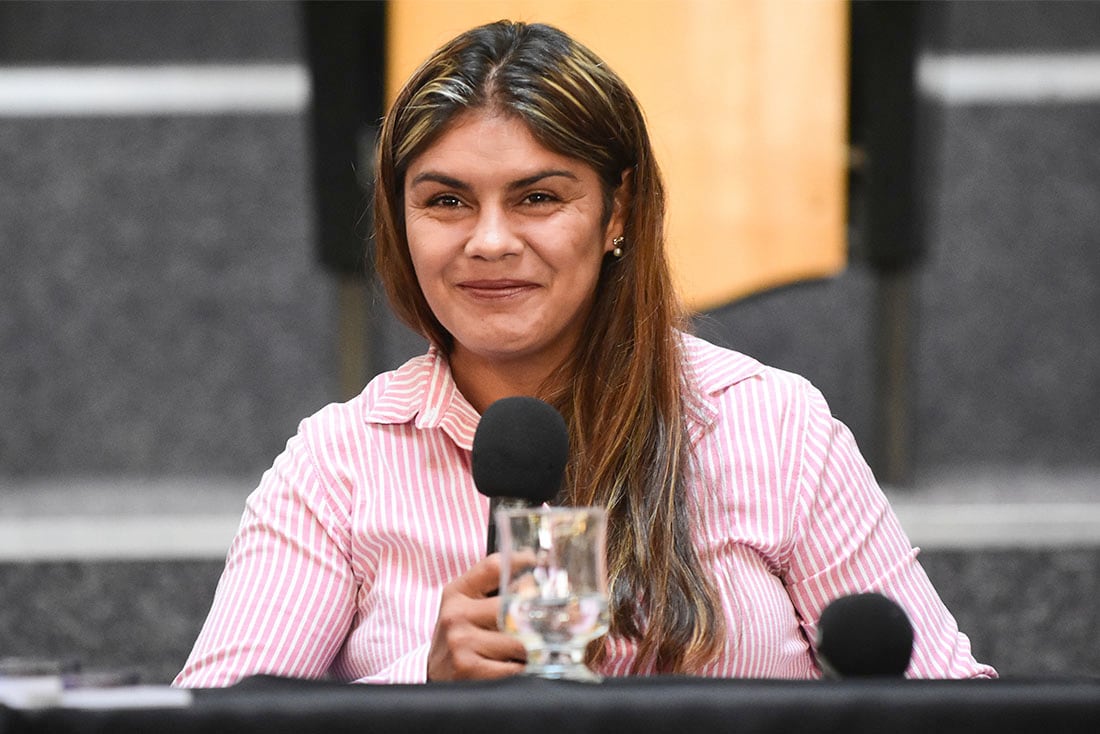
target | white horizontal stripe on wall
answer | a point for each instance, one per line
(60, 91)
(1000, 525)
(930, 526)
(124, 537)
(1010, 78)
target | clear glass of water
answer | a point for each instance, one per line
(553, 585)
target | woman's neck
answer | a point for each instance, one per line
(483, 381)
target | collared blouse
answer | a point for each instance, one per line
(346, 544)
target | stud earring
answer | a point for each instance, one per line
(617, 253)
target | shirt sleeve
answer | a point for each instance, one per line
(286, 598)
(848, 540)
(411, 667)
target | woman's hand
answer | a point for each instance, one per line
(467, 643)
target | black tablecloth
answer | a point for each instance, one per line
(667, 705)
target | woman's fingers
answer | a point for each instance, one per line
(481, 580)
(466, 642)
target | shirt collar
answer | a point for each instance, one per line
(710, 370)
(422, 391)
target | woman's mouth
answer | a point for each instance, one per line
(495, 290)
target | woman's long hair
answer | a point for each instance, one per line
(622, 393)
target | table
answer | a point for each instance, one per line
(665, 705)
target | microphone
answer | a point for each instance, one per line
(520, 448)
(864, 635)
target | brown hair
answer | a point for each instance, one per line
(622, 393)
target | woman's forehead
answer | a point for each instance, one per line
(481, 137)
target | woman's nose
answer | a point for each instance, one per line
(493, 236)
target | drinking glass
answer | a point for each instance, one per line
(553, 586)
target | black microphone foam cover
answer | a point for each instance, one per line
(864, 635)
(520, 448)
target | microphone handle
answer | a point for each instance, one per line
(500, 503)
(497, 503)
(491, 537)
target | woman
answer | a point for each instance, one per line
(519, 227)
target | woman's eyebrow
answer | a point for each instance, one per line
(452, 182)
(535, 178)
(441, 178)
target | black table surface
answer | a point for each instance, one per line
(673, 705)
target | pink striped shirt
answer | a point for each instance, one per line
(347, 542)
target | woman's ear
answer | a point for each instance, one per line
(620, 205)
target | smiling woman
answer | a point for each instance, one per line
(519, 227)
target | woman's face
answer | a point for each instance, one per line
(506, 238)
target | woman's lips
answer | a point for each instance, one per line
(496, 289)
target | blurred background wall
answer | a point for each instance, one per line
(165, 322)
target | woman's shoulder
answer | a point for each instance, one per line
(393, 396)
(706, 357)
(724, 384)
(714, 369)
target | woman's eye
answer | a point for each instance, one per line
(539, 197)
(446, 201)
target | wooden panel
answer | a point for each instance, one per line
(747, 105)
